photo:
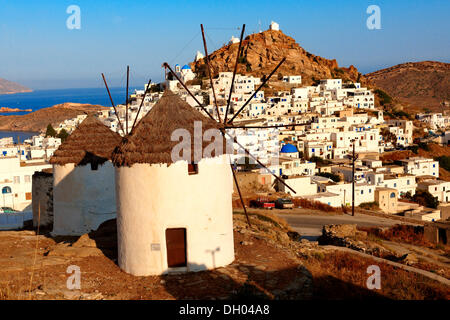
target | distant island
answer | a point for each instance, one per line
(8, 110)
(9, 87)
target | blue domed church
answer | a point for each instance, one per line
(289, 150)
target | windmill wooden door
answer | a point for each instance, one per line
(176, 247)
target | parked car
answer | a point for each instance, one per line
(282, 203)
(7, 210)
(263, 203)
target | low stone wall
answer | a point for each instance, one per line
(42, 195)
(437, 233)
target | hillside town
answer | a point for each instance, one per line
(255, 171)
(308, 136)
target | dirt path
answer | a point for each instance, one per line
(422, 253)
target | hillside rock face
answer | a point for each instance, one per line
(423, 84)
(9, 87)
(38, 120)
(261, 52)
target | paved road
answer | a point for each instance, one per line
(310, 226)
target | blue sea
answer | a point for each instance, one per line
(46, 98)
(18, 135)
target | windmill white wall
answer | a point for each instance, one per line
(82, 198)
(152, 198)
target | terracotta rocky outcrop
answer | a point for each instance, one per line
(261, 52)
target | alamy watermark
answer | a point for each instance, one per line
(74, 280)
(374, 20)
(374, 280)
(74, 20)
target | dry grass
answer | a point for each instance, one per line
(269, 217)
(400, 233)
(91, 142)
(9, 293)
(151, 140)
(340, 275)
(304, 203)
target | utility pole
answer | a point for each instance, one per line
(354, 157)
(126, 101)
(18, 144)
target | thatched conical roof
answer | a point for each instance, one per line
(90, 142)
(150, 142)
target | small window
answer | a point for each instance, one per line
(94, 166)
(28, 196)
(193, 168)
(393, 195)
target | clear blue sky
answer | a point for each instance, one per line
(37, 50)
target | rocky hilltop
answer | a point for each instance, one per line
(423, 84)
(38, 120)
(261, 52)
(9, 87)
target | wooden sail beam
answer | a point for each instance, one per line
(142, 102)
(165, 64)
(210, 73)
(234, 73)
(256, 159)
(112, 102)
(240, 195)
(225, 133)
(257, 90)
(126, 100)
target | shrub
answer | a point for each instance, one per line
(319, 160)
(50, 132)
(444, 162)
(369, 205)
(63, 134)
(401, 114)
(426, 199)
(383, 96)
(304, 203)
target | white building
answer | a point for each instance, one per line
(330, 84)
(274, 26)
(438, 188)
(15, 181)
(83, 185)
(403, 130)
(293, 79)
(198, 56)
(301, 184)
(419, 166)
(174, 215)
